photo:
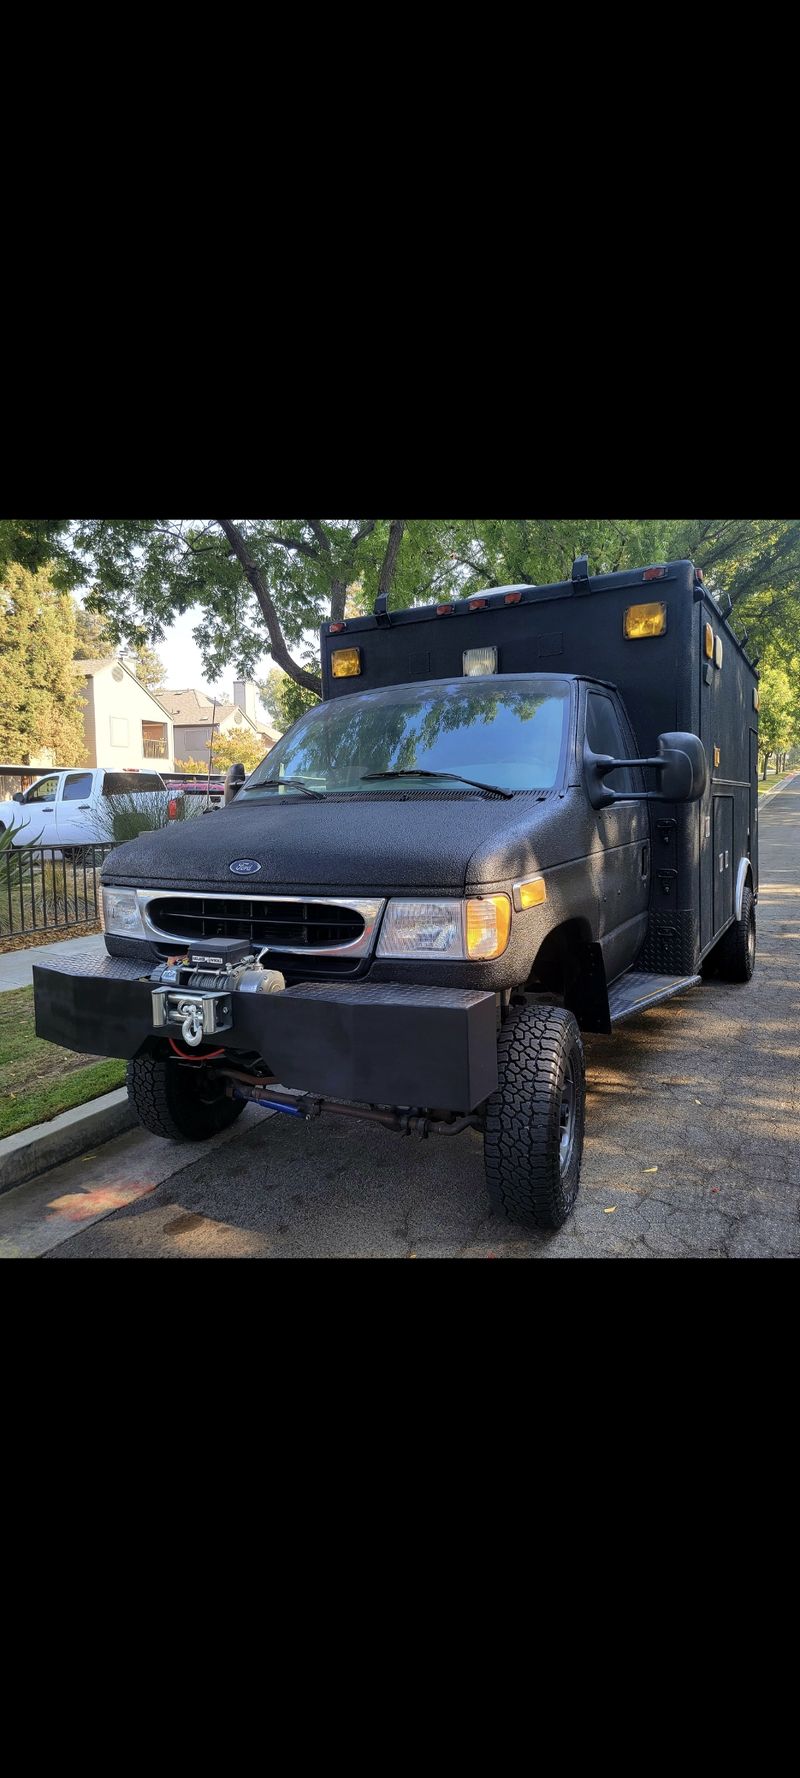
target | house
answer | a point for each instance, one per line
(124, 725)
(194, 718)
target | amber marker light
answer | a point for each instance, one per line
(709, 642)
(488, 924)
(345, 662)
(645, 620)
(530, 894)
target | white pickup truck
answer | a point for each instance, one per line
(65, 807)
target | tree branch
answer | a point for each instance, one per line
(280, 652)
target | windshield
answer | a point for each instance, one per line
(507, 732)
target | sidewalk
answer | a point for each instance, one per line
(16, 967)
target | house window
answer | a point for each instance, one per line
(119, 731)
(154, 740)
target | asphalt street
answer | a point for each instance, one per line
(692, 1145)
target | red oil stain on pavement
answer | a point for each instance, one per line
(82, 1206)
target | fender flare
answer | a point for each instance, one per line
(744, 872)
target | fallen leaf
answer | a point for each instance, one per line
(610, 1211)
(715, 1188)
(651, 1169)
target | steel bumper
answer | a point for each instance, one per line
(378, 1044)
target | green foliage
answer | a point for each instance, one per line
(243, 748)
(93, 639)
(262, 585)
(149, 669)
(284, 698)
(779, 713)
(41, 706)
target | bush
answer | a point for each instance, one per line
(124, 817)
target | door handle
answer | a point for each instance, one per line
(645, 860)
(83, 807)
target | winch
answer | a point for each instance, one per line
(193, 993)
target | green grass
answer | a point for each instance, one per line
(39, 1079)
(771, 782)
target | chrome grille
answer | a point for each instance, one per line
(303, 925)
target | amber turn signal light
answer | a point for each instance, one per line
(488, 925)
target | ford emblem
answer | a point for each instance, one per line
(244, 867)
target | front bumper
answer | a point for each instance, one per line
(375, 1043)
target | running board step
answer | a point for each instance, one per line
(639, 989)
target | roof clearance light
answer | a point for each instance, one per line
(444, 610)
(488, 925)
(345, 663)
(513, 599)
(654, 574)
(336, 629)
(478, 604)
(718, 651)
(645, 620)
(709, 642)
(478, 661)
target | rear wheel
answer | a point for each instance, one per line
(184, 1101)
(533, 1141)
(735, 955)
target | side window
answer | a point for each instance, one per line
(43, 792)
(604, 735)
(77, 787)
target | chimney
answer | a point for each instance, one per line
(244, 697)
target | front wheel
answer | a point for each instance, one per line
(735, 955)
(533, 1140)
(182, 1100)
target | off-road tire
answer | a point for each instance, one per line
(538, 1054)
(184, 1103)
(735, 955)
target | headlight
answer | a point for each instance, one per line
(121, 913)
(422, 929)
(478, 928)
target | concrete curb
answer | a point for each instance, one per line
(71, 1133)
(769, 794)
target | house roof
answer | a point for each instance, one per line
(188, 706)
(88, 670)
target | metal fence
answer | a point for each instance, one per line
(46, 890)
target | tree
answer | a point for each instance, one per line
(93, 639)
(191, 765)
(41, 705)
(40, 543)
(284, 698)
(149, 669)
(264, 584)
(244, 748)
(779, 713)
(261, 583)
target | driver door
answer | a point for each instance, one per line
(38, 814)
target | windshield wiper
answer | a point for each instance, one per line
(288, 783)
(491, 789)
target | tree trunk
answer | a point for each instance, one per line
(280, 652)
(389, 564)
(338, 600)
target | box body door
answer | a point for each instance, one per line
(723, 860)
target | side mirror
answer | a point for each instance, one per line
(234, 779)
(685, 768)
(681, 764)
(17, 797)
